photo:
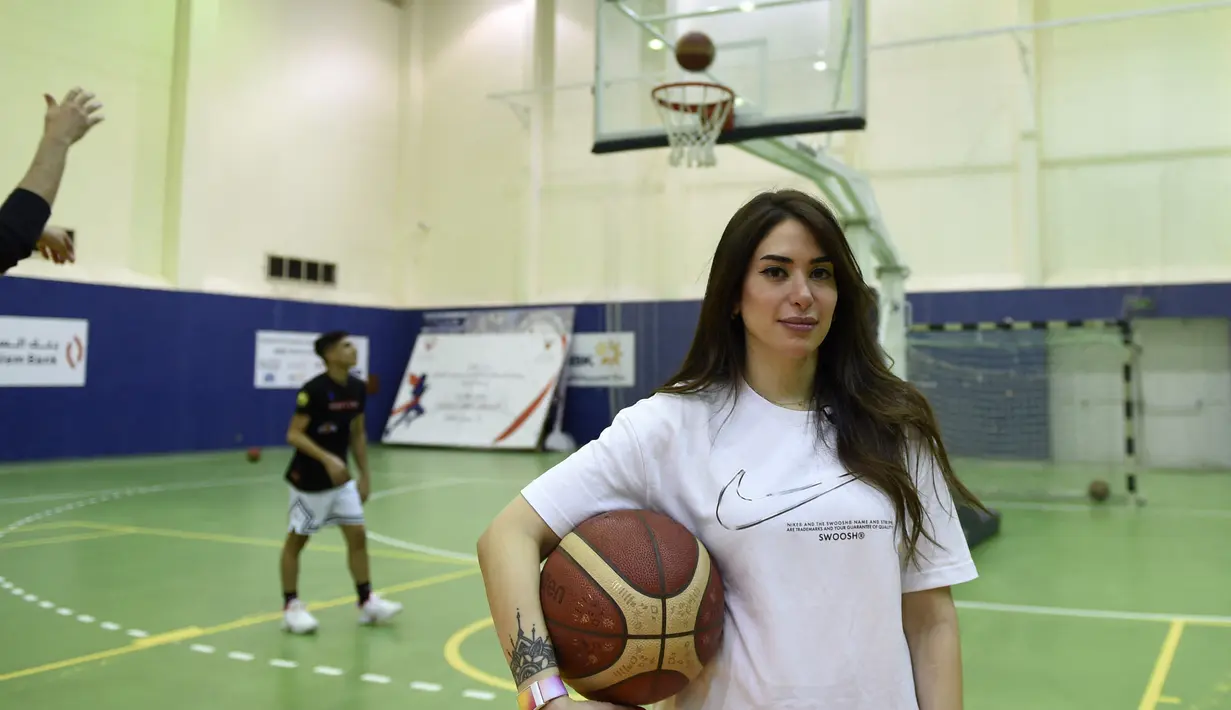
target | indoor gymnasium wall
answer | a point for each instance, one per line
(1136, 153)
(234, 129)
(115, 192)
(1064, 173)
(240, 129)
(172, 371)
(1105, 166)
(466, 161)
(291, 120)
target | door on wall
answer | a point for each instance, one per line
(1185, 376)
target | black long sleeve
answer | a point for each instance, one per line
(22, 218)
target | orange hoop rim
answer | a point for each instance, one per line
(708, 107)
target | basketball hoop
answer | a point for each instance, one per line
(694, 114)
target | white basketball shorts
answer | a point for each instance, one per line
(337, 506)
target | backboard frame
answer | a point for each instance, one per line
(853, 118)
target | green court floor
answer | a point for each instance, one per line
(153, 582)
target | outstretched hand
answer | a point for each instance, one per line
(70, 119)
(56, 244)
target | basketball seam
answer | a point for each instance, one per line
(638, 637)
(663, 596)
(662, 585)
(615, 604)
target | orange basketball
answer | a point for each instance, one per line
(694, 51)
(634, 607)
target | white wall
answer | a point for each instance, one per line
(234, 128)
(292, 145)
(114, 193)
(1185, 385)
(361, 132)
(1105, 167)
(1087, 155)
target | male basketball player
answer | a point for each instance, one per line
(24, 214)
(328, 421)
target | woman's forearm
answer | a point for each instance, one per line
(930, 623)
(510, 553)
(936, 655)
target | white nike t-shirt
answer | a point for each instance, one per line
(810, 560)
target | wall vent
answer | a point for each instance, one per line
(293, 268)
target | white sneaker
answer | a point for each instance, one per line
(296, 618)
(377, 610)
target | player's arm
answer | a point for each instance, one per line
(22, 217)
(24, 214)
(359, 444)
(929, 619)
(297, 432)
(297, 436)
(510, 552)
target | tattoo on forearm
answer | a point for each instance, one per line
(531, 654)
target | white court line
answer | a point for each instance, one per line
(415, 547)
(1093, 613)
(107, 462)
(429, 485)
(158, 488)
(1077, 508)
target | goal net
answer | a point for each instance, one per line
(1029, 413)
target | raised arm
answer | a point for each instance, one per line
(65, 124)
(24, 214)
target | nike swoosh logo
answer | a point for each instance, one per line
(736, 511)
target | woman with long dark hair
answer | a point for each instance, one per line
(783, 426)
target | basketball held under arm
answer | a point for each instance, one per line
(510, 552)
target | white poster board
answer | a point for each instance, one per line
(285, 360)
(603, 360)
(482, 390)
(43, 352)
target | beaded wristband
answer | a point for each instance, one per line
(538, 693)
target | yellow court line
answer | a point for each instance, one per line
(277, 615)
(1162, 666)
(453, 655)
(1167, 699)
(264, 542)
(192, 632)
(58, 539)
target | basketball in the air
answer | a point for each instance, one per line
(634, 607)
(694, 51)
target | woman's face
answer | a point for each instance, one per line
(789, 293)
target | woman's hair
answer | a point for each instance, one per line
(877, 415)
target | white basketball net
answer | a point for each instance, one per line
(693, 114)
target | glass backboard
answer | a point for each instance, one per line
(794, 66)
